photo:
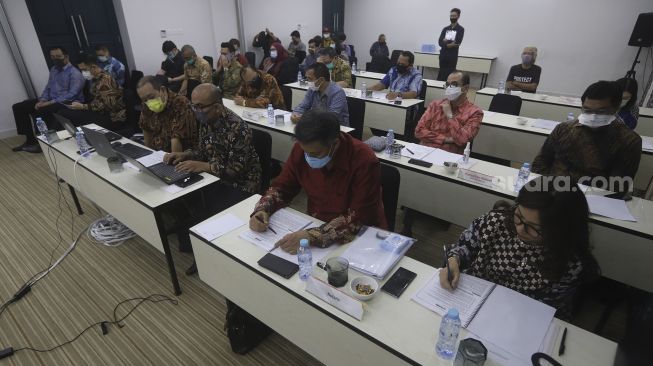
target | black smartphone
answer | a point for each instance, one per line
(192, 179)
(397, 102)
(278, 265)
(423, 163)
(398, 283)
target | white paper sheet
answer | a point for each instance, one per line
(609, 207)
(545, 124)
(366, 255)
(647, 143)
(216, 227)
(415, 151)
(438, 157)
(380, 95)
(154, 158)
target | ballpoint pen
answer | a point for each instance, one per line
(263, 222)
(446, 260)
(561, 350)
(412, 153)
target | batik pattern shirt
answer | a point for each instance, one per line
(177, 120)
(230, 80)
(114, 68)
(268, 93)
(341, 72)
(107, 98)
(435, 126)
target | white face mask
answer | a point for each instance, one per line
(595, 120)
(452, 92)
(312, 86)
(273, 54)
(87, 75)
(624, 102)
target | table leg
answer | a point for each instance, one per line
(166, 249)
(75, 199)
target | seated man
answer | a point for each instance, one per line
(341, 177)
(339, 69)
(110, 64)
(596, 145)
(228, 71)
(311, 56)
(239, 55)
(173, 66)
(403, 80)
(322, 95)
(296, 44)
(167, 121)
(327, 40)
(65, 85)
(106, 108)
(225, 144)
(525, 76)
(258, 89)
(449, 124)
(195, 68)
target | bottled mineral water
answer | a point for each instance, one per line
(449, 329)
(305, 260)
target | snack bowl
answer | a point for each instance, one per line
(450, 166)
(361, 286)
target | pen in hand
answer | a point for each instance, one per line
(412, 153)
(446, 260)
(263, 222)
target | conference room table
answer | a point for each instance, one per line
(392, 331)
(470, 63)
(134, 198)
(501, 136)
(459, 201)
(434, 88)
(282, 135)
(556, 108)
(380, 113)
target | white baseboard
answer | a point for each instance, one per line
(7, 133)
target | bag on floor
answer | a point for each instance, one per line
(244, 331)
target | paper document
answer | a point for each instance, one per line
(380, 95)
(609, 207)
(467, 298)
(154, 158)
(354, 93)
(415, 151)
(647, 143)
(439, 156)
(545, 124)
(214, 228)
(281, 112)
(373, 256)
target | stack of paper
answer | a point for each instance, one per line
(647, 143)
(609, 207)
(152, 159)
(216, 227)
(366, 255)
(545, 124)
(415, 151)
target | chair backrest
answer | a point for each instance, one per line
(506, 103)
(262, 142)
(356, 116)
(286, 92)
(353, 80)
(353, 60)
(380, 64)
(390, 180)
(251, 58)
(395, 56)
(300, 56)
(134, 78)
(422, 91)
(209, 59)
(353, 52)
(190, 86)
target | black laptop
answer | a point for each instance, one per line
(70, 127)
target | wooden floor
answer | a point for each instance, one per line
(85, 288)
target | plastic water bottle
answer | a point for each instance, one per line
(82, 145)
(41, 126)
(399, 99)
(270, 114)
(353, 68)
(305, 260)
(449, 329)
(389, 140)
(363, 89)
(502, 87)
(570, 116)
(299, 76)
(522, 176)
(466, 153)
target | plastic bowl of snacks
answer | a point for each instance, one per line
(364, 288)
(450, 167)
(521, 121)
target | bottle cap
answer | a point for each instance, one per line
(453, 313)
(303, 243)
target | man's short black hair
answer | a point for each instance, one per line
(295, 34)
(455, 10)
(327, 51)
(235, 42)
(604, 90)
(228, 45)
(88, 59)
(411, 57)
(320, 70)
(316, 126)
(156, 81)
(317, 40)
(244, 69)
(61, 48)
(168, 46)
(343, 37)
(101, 47)
(464, 77)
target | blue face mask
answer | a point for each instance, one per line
(318, 163)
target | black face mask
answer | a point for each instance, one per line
(256, 82)
(453, 20)
(59, 62)
(402, 68)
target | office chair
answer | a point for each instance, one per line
(190, 86)
(300, 56)
(356, 116)
(251, 58)
(353, 52)
(209, 59)
(380, 64)
(262, 142)
(506, 103)
(353, 81)
(395, 56)
(286, 92)
(390, 180)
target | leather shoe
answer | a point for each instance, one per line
(192, 269)
(35, 148)
(18, 148)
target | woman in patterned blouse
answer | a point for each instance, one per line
(539, 246)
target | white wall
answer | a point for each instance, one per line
(580, 41)
(11, 92)
(281, 17)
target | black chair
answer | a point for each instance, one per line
(506, 103)
(262, 142)
(134, 78)
(380, 64)
(395, 56)
(356, 116)
(190, 86)
(353, 60)
(300, 56)
(353, 80)
(286, 92)
(209, 59)
(390, 180)
(353, 52)
(251, 58)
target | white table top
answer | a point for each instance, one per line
(461, 55)
(641, 209)
(646, 112)
(378, 76)
(143, 188)
(355, 93)
(400, 324)
(538, 97)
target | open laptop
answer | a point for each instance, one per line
(70, 127)
(100, 142)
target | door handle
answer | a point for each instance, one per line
(79, 43)
(334, 21)
(81, 22)
(337, 21)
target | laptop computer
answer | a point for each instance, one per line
(100, 142)
(70, 127)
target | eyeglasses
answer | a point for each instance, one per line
(199, 107)
(528, 228)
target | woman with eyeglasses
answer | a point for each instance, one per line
(538, 247)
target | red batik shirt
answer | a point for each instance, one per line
(434, 126)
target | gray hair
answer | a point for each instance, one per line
(190, 48)
(531, 49)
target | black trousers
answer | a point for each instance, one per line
(447, 66)
(25, 124)
(80, 118)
